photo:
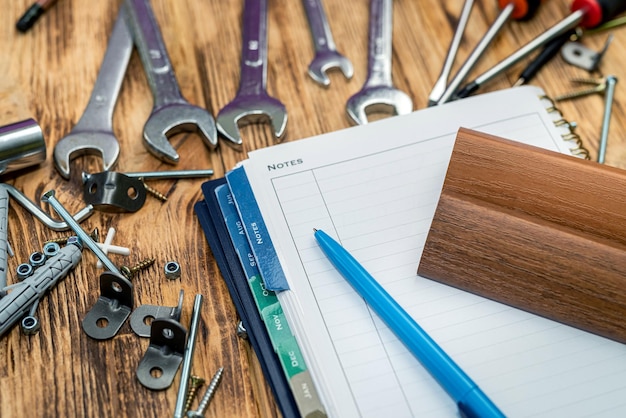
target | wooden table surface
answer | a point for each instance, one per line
(48, 74)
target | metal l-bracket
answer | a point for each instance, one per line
(142, 316)
(112, 308)
(114, 192)
(159, 364)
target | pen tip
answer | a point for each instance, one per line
(519, 82)
(314, 230)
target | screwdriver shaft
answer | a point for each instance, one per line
(440, 84)
(477, 53)
(563, 26)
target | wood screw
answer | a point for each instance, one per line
(195, 382)
(95, 235)
(129, 272)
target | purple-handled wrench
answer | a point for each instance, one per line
(326, 55)
(378, 93)
(93, 133)
(171, 113)
(252, 103)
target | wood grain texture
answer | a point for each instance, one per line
(48, 74)
(534, 229)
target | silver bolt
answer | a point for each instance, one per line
(611, 81)
(190, 347)
(84, 237)
(173, 174)
(208, 395)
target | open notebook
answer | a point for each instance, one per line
(375, 188)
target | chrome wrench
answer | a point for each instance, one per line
(93, 133)
(378, 93)
(171, 113)
(252, 103)
(326, 55)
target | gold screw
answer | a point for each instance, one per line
(95, 235)
(195, 383)
(155, 193)
(129, 272)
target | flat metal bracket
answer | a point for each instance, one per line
(112, 308)
(159, 364)
(142, 317)
(577, 54)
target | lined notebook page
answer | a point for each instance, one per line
(375, 188)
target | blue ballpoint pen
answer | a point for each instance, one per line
(471, 400)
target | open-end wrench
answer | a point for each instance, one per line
(171, 113)
(93, 133)
(378, 93)
(252, 103)
(326, 55)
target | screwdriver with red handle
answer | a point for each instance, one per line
(516, 9)
(585, 13)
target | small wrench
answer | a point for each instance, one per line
(93, 133)
(326, 55)
(171, 113)
(252, 103)
(378, 93)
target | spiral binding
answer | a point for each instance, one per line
(559, 121)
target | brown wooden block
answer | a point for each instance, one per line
(535, 229)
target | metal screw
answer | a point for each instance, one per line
(195, 383)
(599, 86)
(208, 395)
(85, 238)
(95, 235)
(129, 272)
(154, 192)
(611, 81)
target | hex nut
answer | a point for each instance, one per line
(50, 249)
(74, 240)
(30, 325)
(172, 270)
(24, 271)
(37, 259)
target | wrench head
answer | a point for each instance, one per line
(244, 110)
(324, 61)
(173, 118)
(375, 100)
(79, 142)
